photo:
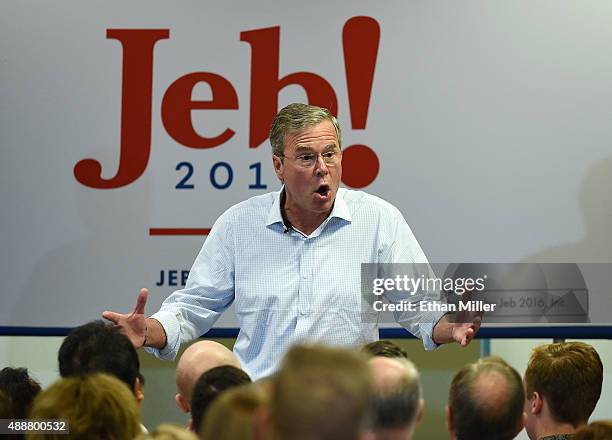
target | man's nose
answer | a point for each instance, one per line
(321, 167)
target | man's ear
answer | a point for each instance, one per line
(138, 391)
(448, 412)
(182, 403)
(535, 403)
(262, 424)
(278, 167)
(421, 412)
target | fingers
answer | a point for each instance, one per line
(111, 316)
(468, 336)
(141, 302)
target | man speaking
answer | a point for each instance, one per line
(291, 260)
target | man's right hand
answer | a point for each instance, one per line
(133, 325)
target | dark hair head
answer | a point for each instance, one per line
(99, 347)
(384, 348)
(210, 385)
(20, 388)
(5, 407)
(486, 399)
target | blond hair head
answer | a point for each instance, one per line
(95, 406)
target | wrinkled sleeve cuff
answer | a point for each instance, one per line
(426, 326)
(170, 322)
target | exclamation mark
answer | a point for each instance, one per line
(360, 38)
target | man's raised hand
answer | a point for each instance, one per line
(134, 324)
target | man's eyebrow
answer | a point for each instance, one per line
(307, 149)
(331, 146)
(303, 149)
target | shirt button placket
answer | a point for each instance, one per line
(305, 279)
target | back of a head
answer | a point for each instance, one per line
(20, 388)
(396, 393)
(320, 393)
(95, 406)
(569, 376)
(209, 386)
(486, 400)
(197, 359)
(231, 416)
(600, 430)
(384, 348)
(99, 347)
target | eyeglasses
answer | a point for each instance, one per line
(306, 160)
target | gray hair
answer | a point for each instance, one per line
(297, 117)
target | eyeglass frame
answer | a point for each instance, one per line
(335, 151)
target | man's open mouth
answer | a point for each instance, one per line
(323, 190)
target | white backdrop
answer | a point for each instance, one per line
(490, 121)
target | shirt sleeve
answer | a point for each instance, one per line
(190, 312)
(404, 248)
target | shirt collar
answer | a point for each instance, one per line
(340, 209)
(274, 215)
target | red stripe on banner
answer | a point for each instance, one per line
(179, 231)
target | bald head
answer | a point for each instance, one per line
(485, 401)
(397, 400)
(196, 360)
(491, 387)
(390, 373)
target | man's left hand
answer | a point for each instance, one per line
(446, 330)
(464, 332)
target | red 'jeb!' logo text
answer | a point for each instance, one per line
(360, 38)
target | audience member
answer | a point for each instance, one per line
(601, 430)
(232, 415)
(20, 388)
(96, 406)
(320, 393)
(168, 432)
(209, 386)
(563, 384)
(384, 348)
(99, 347)
(196, 360)
(140, 384)
(485, 401)
(5, 406)
(397, 403)
(6, 412)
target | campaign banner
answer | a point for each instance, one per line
(127, 129)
